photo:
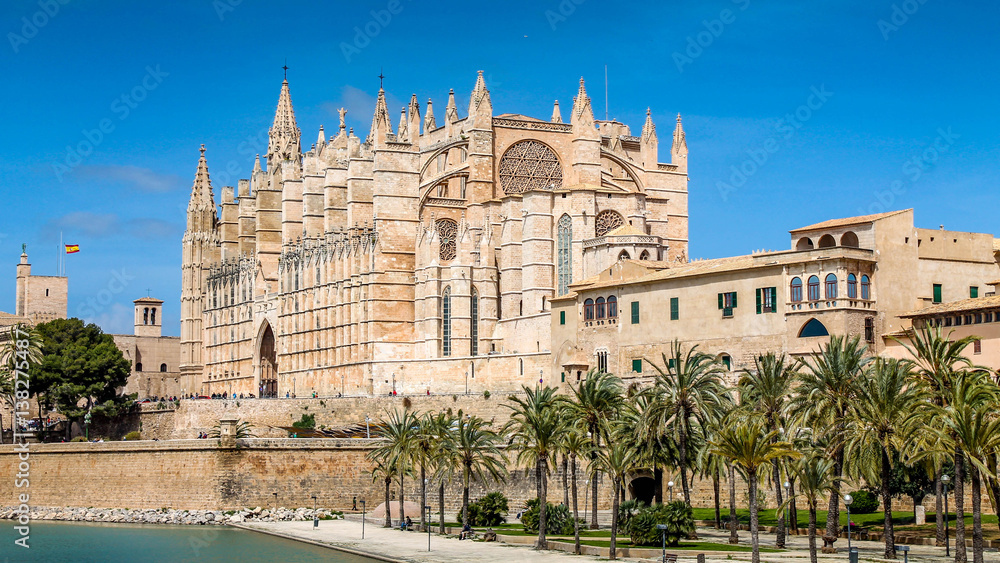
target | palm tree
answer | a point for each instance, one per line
(750, 445)
(887, 412)
(937, 359)
(615, 460)
(397, 442)
(22, 343)
(687, 391)
(595, 401)
(575, 444)
(823, 399)
(424, 442)
(766, 389)
(815, 474)
(384, 470)
(476, 448)
(536, 428)
(712, 465)
(443, 458)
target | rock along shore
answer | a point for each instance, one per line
(170, 516)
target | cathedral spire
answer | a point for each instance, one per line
(556, 115)
(648, 128)
(583, 115)
(451, 110)
(381, 122)
(648, 145)
(284, 138)
(201, 207)
(413, 129)
(322, 138)
(679, 150)
(479, 94)
(402, 129)
(429, 123)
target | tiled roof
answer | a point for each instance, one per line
(626, 230)
(690, 269)
(975, 304)
(833, 223)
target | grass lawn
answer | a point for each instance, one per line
(769, 517)
(684, 546)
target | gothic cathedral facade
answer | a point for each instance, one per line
(421, 258)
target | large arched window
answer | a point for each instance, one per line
(163, 368)
(849, 239)
(827, 241)
(588, 310)
(145, 316)
(448, 232)
(475, 322)
(529, 165)
(831, 286)
(795, 290)
(446, 322)
(624, 255)
(865, 287)
(612, 307)
(599, 306)
(813, 288)
(813, 328)
(152, 316)
(565, 239)
(606, 222)
(852, 286)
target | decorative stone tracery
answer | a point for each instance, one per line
(529, 165)
(448, 232)
(607, 221)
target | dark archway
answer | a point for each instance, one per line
(827, 241)
(850, 239)
(813, 328)
(643, 489)
(805, 243)
(268, 364)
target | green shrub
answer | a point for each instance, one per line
(489, 510)
(677, 515)
(864, 502)
(558, 520)
(307, 421)
(486, 394)
(132, 436)
(79, 439)
(627, 510)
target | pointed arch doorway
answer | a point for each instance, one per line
(268, 361)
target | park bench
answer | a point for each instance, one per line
(906, 552)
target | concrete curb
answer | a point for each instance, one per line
(357, 552)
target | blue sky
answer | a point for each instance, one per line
(795, 112)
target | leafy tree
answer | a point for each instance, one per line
(395, 447)
(307, 421)
(13, 356)
(575, 444)
(615, 460)
(443, 459)
(476, 449)
(677, 516)
(559, 520)
(80, 364)
(490, 510)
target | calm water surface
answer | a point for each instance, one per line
(57, 542)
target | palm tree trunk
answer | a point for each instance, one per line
(734, 536)
(977, 516)
(793, 510)
(593, 486)
(541, 470)
(402, 515)
(465, 495)
(388, 516)
(565, 467)
(576, 516)
(613, 554)
(441, 505)
(657, 484)
(960, 553)
(938, 508)
(423, 497)
(812, 531)
(754, 538)
(718, 509)
(833, 514)
(890, 536)
(779, 540)
(682, 462)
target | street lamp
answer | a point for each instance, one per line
(586, 496)
(663, 535)
(788, 509)
(428, 509)
(315, 515)
(670, 487)
(945, 479)
(368, 429)
(848, 499)
(363, 518)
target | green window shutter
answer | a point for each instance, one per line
(670, 363)
(734, 300)
(973, 292)
(674, 308)
(635, 312)
(720, 301)
(637, 366)
(774, 300)
(758, 301)
(562, 319)
(564, 377)
(937, 293)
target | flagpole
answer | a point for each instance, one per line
(59, 263)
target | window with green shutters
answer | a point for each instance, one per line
(674, 308)
(562, 317)
(937, 293)
(973, 292)
(637, 366)
(727, 302)
(670, 363)
(635, 312)
(767, 299)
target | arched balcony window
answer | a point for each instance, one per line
(600, 308)
(831, 286)
(588, 310)
(865, 287)
(612, 307)
(795, 290)
(813, 288)
(852, 286)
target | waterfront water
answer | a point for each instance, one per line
(72, 542)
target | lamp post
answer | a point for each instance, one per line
(368, 429)
(363, 518)
(670, 487)
(848, 499)
(428, 509)
(663, 537)
(945, 479)
(586, 496)
(788, 510)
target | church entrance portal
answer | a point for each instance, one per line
(643, 489)
(268, 365)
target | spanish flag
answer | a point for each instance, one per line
(71, 248)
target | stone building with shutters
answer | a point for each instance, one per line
(423, 256)
(867, 276)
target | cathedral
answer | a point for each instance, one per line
(422, 257)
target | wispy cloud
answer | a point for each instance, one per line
(105, 225)
(138, 178)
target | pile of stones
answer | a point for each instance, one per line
(171, 516)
